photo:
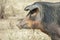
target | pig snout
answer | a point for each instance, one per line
(24, 24)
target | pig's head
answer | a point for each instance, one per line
(34, 18)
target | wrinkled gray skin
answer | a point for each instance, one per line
(49, 15)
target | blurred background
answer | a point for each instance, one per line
(13, 11)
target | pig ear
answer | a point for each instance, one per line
(30, 7)
(32, 11)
